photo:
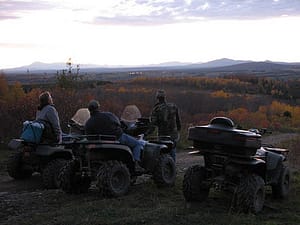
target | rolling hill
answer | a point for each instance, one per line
(220, 65)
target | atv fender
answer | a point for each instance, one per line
(57, 151)
(168, 145)
(273, 159)
(15, 144)
(110, 151)
(257, 166)
(274, 162)
(151, 155)
(250, 162)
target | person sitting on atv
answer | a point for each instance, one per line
(106, 123)
(48, 115)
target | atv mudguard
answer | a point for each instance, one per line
(151, 155)
(110, 151)
(274, 163)
(15, 144)
(250, 162)
(272, 159)
(45, 151)
(56, 151)
(253, 165)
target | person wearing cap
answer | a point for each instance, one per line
(106, 123)
(48, 115)
(165, 116)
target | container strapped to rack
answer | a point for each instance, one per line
(32, 131)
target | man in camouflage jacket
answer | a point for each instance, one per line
(165, 117)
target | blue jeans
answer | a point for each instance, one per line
(173, 154)
(135, 145)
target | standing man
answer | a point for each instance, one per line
(166, 117)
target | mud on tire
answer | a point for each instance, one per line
(113, 179)
(281, 189)
(193, 187)
(51, 172)
(165, 172)
(15, 167)
(71, 180)
(249, 195)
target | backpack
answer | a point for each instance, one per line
(32, 131)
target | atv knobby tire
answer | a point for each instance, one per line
(71, 180)
(16, 168)
(164, 174)
(249, 195)
(113, 179)
(194, 188)
(281, 189)
(51, 172)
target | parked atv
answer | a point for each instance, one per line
(235, 161)
(111, 165)
(46, 159)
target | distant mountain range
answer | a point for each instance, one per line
(215, 65)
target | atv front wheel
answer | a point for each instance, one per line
(71, 180)
(194, 188)
(15, 167)
(165, 172)
(51, 172)
(249, 195)
(281, 189)
(113, 179)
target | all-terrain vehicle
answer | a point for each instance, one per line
(235, 161)
(46, 159)
(110, 164)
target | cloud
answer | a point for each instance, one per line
(12, 9)
(173, 11)
(151, 12)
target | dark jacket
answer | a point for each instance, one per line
(166, 117)
(103, 123)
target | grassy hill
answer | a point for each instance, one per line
(26, 202)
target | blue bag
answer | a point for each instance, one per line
(32, 131)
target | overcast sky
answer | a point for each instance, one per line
(139, 32)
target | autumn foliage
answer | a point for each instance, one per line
(249, 102)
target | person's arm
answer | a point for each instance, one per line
(87, 129)
(115, 120)
(154, 117)
(53, 118)
(153, 122)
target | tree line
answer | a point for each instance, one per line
(249, 101)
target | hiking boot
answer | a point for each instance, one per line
(138, 168)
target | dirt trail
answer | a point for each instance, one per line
(276, 139)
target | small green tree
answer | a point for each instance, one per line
(287, 114)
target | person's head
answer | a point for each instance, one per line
(161, 95)
(45, 99)
(93, 106)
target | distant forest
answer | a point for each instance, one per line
(250, 101)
